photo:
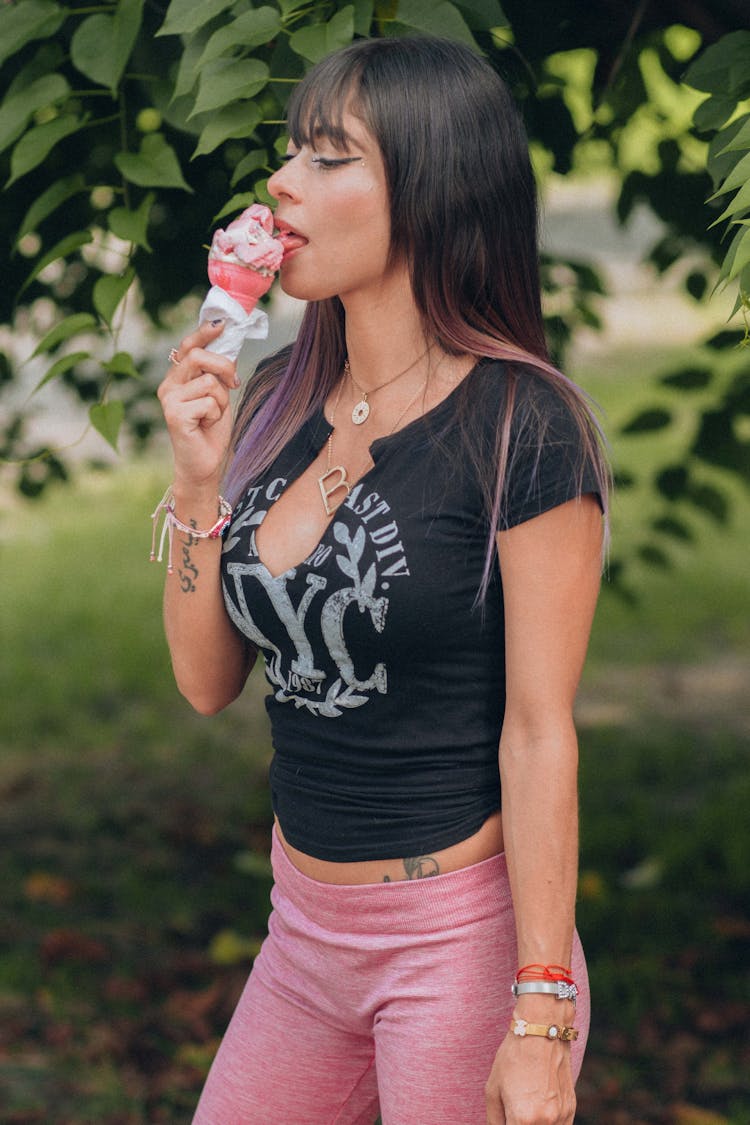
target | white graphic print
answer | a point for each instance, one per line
(291, 668)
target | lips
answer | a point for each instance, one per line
(290, 239)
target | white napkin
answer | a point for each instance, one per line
(238, 325)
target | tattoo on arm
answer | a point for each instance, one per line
(188, 572)
(418, 867)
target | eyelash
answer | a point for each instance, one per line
(323, 162)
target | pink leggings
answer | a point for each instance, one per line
(384, 997)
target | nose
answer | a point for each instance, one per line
(283, 183)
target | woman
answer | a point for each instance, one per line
(414, 437)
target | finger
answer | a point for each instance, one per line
(185, 403)
(203, 334)
(197, 362)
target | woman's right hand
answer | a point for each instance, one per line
(194, 397)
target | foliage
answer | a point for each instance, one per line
(127, 132)
(723, 71)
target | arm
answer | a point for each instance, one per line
(550, 569)
(210, 658)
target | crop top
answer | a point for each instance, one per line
(386, 676)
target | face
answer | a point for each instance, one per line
(334, 217)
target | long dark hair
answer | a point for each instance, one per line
(463, 213)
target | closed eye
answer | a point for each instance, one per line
(323, 162)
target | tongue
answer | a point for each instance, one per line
(291, 241)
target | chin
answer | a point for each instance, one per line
(297, 288)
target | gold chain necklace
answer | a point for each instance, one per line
(361, 410)
(335, 478)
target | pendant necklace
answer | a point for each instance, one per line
(335, 478)
(361, 411)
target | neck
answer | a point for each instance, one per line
(384, 335)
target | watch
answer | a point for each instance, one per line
(547, 1030)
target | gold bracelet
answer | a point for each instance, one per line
(547, 1030)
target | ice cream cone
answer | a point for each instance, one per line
(242, 283)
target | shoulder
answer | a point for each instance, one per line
(532, 401)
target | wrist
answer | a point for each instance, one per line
(202, 495)
(540, 1008)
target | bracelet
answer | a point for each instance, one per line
(548, 1031)
(171, 521)
(545, 972)
(561, 989)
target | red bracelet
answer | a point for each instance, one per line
(545, 972)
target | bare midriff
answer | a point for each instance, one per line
(488, 841)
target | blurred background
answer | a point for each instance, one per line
(134, 834)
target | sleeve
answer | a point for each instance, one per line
(548, 462)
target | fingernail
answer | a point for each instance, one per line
(215, 323)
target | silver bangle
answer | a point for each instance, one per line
(559, 988)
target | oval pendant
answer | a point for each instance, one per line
(361, 412)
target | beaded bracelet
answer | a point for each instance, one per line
(171, 521)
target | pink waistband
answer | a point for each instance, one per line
(407, 906)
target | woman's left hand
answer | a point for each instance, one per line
(531, 1083)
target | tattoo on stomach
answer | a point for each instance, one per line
(418, 867)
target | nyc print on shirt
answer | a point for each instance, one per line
(338, 595)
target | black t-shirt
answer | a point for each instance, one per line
(387, 679)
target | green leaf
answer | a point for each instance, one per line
(710, 500)
(728, 262)
(49, 201)
(106, 417)
(229, 80)
(741, 202)
(740, 138)
(92, 49)
(742, 255)
(256, 158)
(60, 366)
(688, 379)
(654, 556)
(318, 40)
(16, 110)
(288, 7)
(648, 421)
(21, 23)
(101, 45)
(132, 225)
(109, 291)
(36, 145)
(676, 529)
(260, 187)
(187, 71)
(155, 165)
(739, 176)
(249, 30)
(482, 15)
(672, 482)
(236, 203)
(185, 16)
(712, 113)
(65, 246)
(363, 11)
(122, 363)
(713, 70)
(68, 327)
(436, 19)
(236, 120)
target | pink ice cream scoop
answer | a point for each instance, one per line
(244, 258)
